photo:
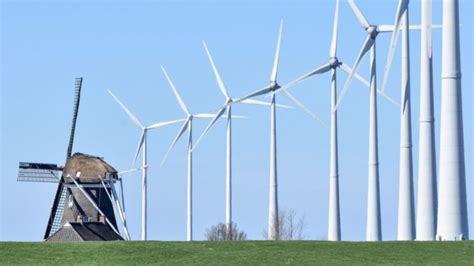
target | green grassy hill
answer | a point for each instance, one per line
(245, 252)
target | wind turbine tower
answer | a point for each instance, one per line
(426, 195)
(406, 209)
(452, 205)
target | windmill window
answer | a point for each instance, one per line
(70, 201)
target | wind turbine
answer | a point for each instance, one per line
(142, 143)
(452, 203)
(334, 231)
(227, 106)
(406, 209)
(187, 125)
(374, 231)
(273, 226)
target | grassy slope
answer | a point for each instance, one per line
(248, 252)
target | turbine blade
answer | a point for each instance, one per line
(204, 115)
(129, 171)
(388, 98)
(176, 93)
(301, 105)
(162, 124)
(322, 69)
(402, 7)
(273, 77)
(254, 94)
(139, 147)
(257, 102)
(210, 125)
(220, 83)
(369, 42)
(348, 70)
(130, 114)
(389, 28)
(360, 17)
(333, 49)
(385, 28)
(178, 136)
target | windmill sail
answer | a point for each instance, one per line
(38, 172)
(77, 99)
(54, 221)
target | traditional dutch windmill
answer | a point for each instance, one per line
(86, 199)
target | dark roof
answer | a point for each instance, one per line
(65, 233)
(89, 231)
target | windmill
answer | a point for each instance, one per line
(142, 145)
(73, 202)
(227, 106)
(187, 125)
(271, 89)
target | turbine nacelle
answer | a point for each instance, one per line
(228, 101)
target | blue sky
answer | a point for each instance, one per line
(121, 45)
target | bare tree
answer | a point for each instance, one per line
(290, 226)
(222, 231)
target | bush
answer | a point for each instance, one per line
(222, 232)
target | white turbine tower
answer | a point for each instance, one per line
(406, 206)
(426, 195)
(452, 201)
(142, 143)
(227, 106)
(187, 125)
(374, 227)
(273, 226)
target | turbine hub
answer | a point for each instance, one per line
(334, 62)
(372, 31)
(274, 86)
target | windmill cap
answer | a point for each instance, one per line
(91, 168)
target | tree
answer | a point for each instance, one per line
(290, 227)
(221, 232)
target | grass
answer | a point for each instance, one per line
(242, 252)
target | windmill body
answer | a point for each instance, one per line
(83, 205)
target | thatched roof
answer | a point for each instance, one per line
(91, 167)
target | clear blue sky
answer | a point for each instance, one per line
(121, 45)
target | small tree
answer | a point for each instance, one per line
(223, 231)
(290, 227)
